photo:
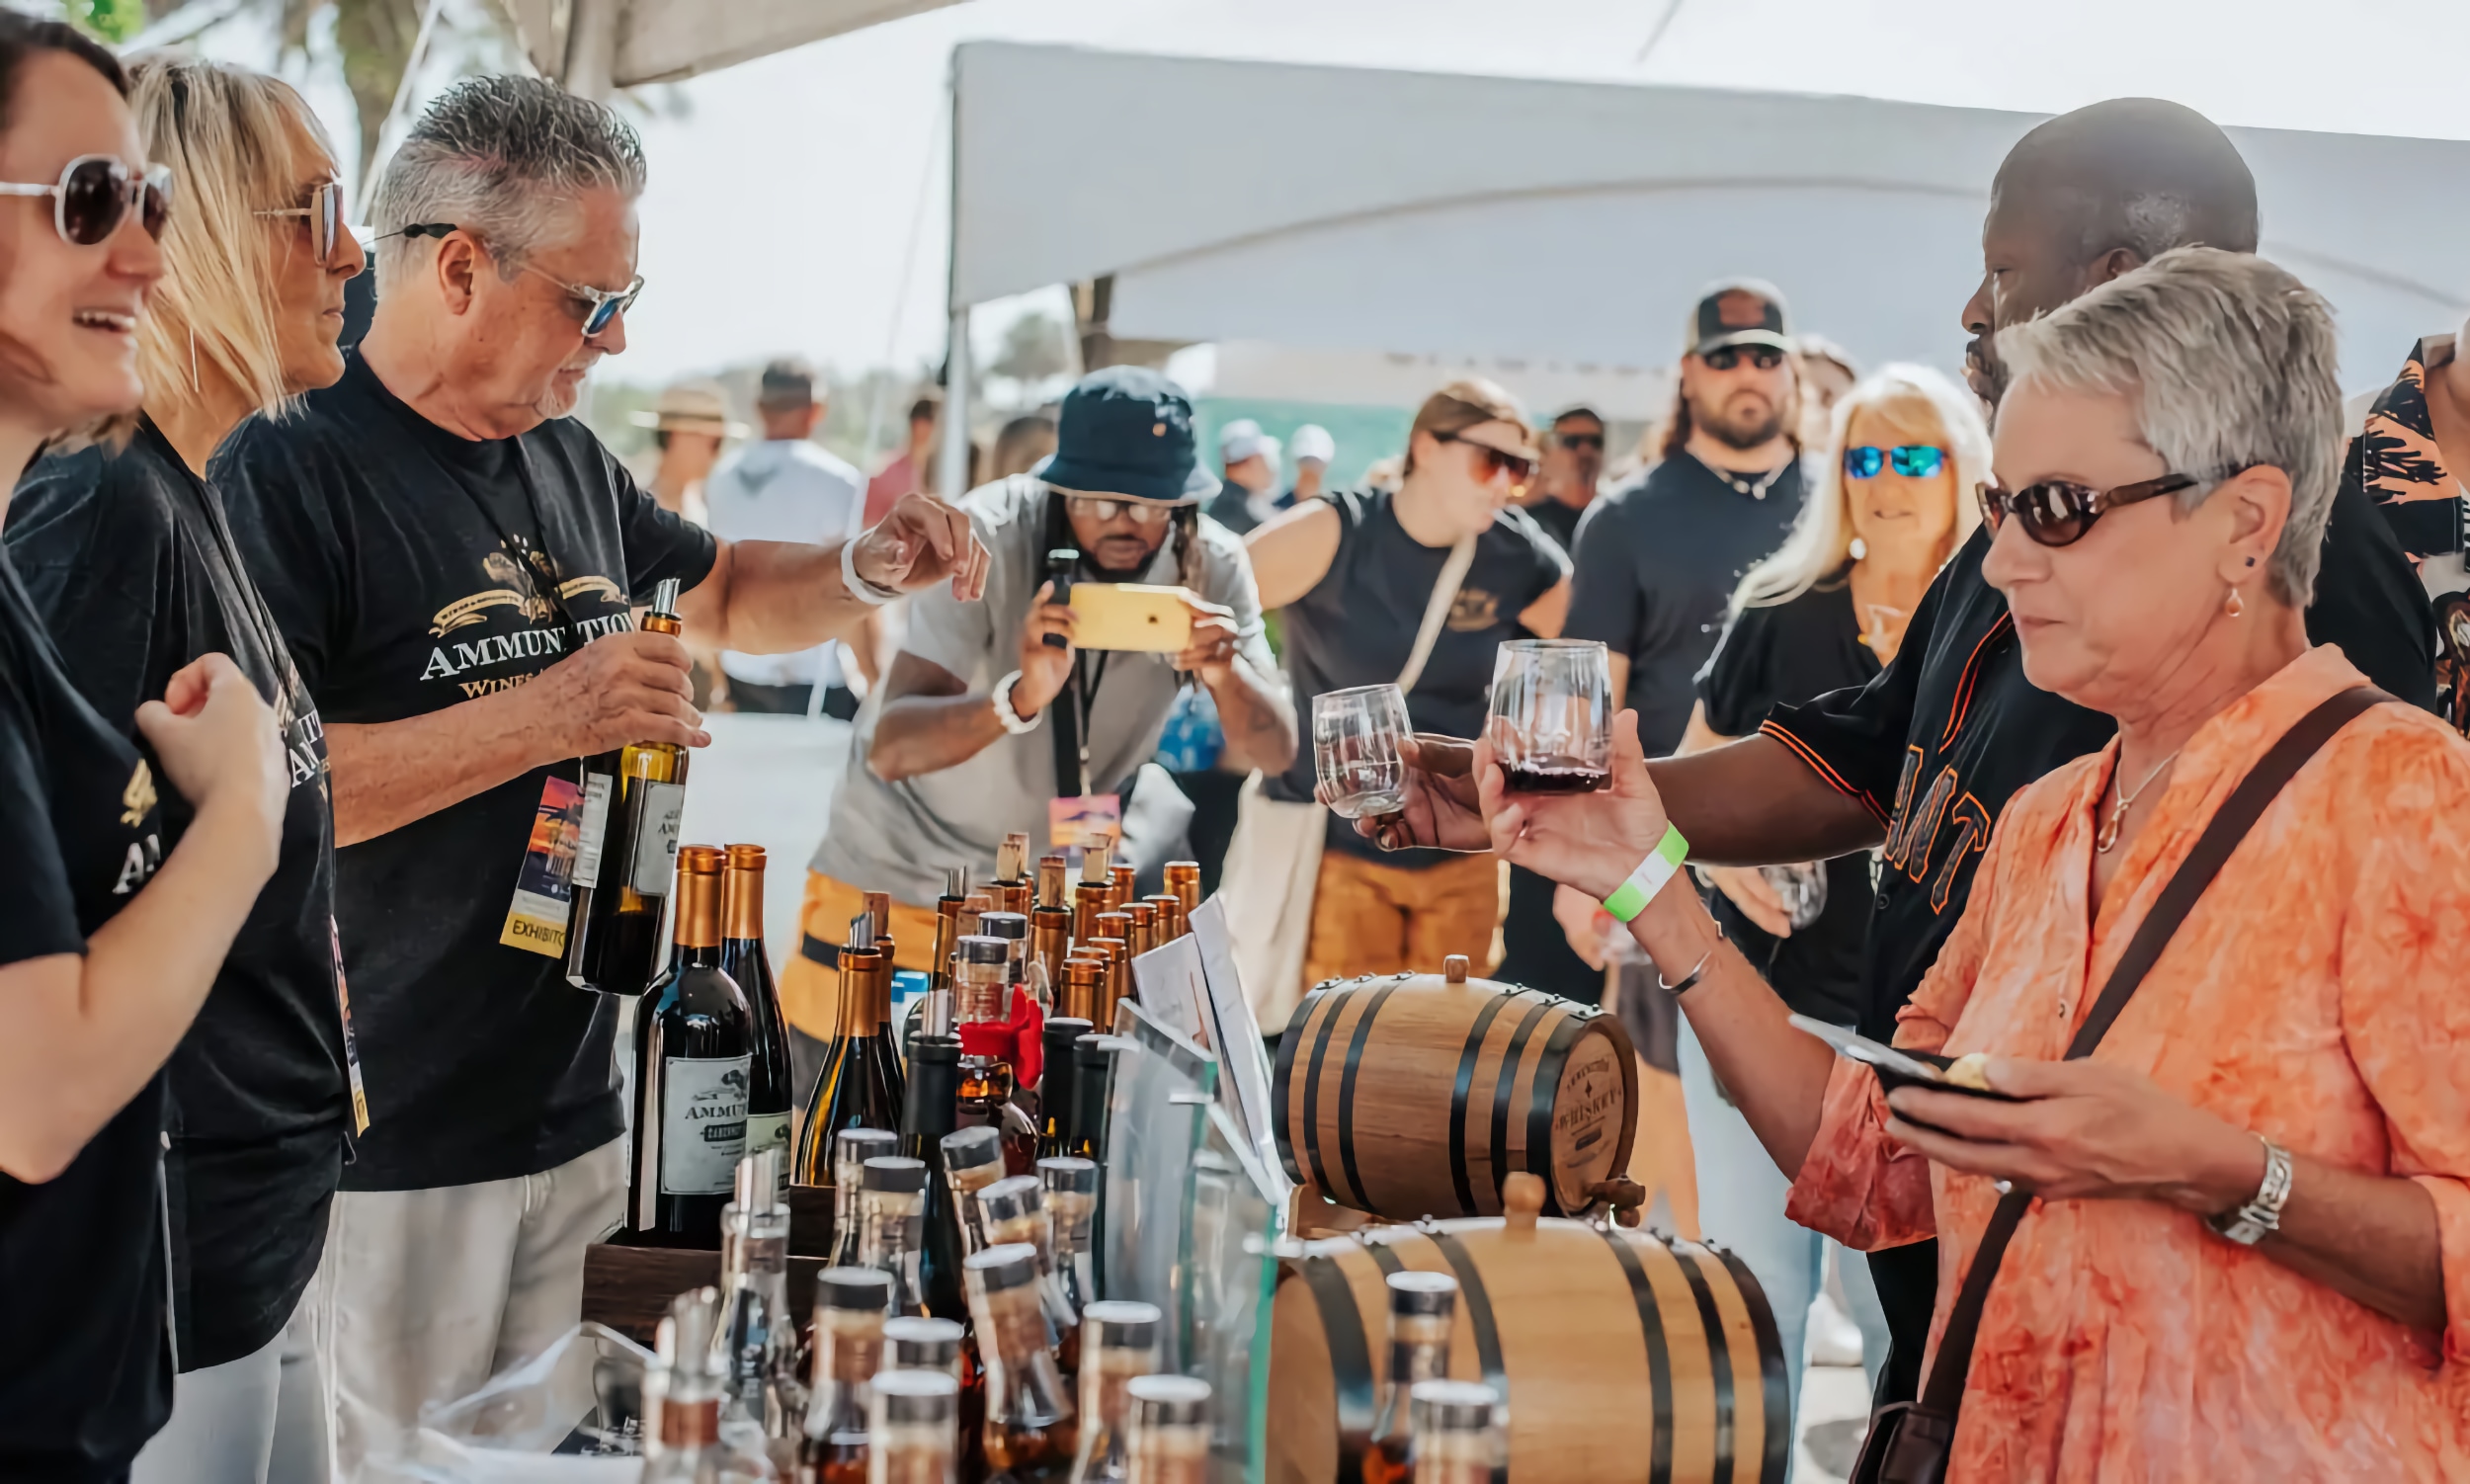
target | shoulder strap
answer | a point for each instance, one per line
(1437, 609)
(1944, 1393)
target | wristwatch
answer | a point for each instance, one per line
(1004, 712)
(2263, 1213)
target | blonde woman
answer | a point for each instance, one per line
(128, 558)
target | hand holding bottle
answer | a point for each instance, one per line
(216, 738)
(622, 689)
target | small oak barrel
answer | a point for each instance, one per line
(1619, 1354)
(1418, 1095)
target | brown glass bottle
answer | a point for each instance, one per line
(1029, 1428)
(1182, 882)
(1119, 1342)
(1144, 926)
(850, 1305)
(1166, 1426)
(1084, 983)
(861, 1083)
(633, 799)
(1171, 925)
(1421, 1308)
(912, 1427)
(914, 1343)
(1013, 1210)
(1050, 921)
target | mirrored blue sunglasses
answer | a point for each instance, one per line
(1914, 461)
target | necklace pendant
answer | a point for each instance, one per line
(2106, 836)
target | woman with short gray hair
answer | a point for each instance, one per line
(2214, 1219)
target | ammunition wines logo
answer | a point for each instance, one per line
(517, 586)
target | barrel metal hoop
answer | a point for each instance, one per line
(1350, 1360)
(1502, 1088)
(1347, 1094)
(1659, 1356)
(1773, 1379)
(1312, 1097)
(1688, 1255)
(1479, 1319)
(1539, 1102)
(1467, 1058)
(1386, 1260)
(1282, 1082)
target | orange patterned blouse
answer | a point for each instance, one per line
(2316, 995)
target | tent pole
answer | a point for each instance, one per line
(951, 467)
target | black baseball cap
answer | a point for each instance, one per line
(1127, 431)
(1737, 311)
(785, 383)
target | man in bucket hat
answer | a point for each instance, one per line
(991, 721)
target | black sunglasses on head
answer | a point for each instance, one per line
(1724, 358)
(2058, 512)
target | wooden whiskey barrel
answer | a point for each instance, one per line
(1619, 1356)
(1418, 1095)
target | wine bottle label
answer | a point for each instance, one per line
(702, 1127)
(595, 831)
(659, 806)
(769, 1131)
(536, 919)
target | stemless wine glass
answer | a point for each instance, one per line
(1355, 750)
(1552, 722)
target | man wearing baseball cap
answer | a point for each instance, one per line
(958, 747)
(1656, 562)
(1251, 493)
(1313, 448)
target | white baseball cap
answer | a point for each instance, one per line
(1313, 444)
(1239, 441)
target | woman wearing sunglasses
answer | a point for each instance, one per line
(1827, 609)
(115, 924)
(1355, 573)
(2250, 1253)
(126, 556)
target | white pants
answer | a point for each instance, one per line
(257, 1420)
(426, 1294)
(1741, 1207)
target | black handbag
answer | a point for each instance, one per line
(1910, 1443)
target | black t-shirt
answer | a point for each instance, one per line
(85, 1359)
(1559, 521)
(1938, 743)
(412, 571)
(1782, 652)
(1357, 627)
(1658, 561)
(130, 562)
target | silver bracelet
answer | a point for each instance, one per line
(1690, 980)
(2249, 1224)
(860, 588)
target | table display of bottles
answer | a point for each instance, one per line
(632, 801)
(694, 1046)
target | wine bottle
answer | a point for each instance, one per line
(861, 1083)
(912, 1427)
(931, 1110)
(1051, 923)
(1094, 895)
(759, 1334)
(1144, 926)
(1422, 1309)
(1029, 1419)
(1120, 1341)
(1170, 924)
(1093, 1078)
(693, 1054)
(1458, 1437)
(1012, 873)
(1054, 1087)
(833, 1444)
(1165, 1424)
(770, 1092)
(973, 1158)
(1123, 880)
(891, 1206)
(912, 1344)
(850, 1149)
(621, 879)
(1183, 880)
(1071, 1200)
(688, 1444)
(1013, 1210)
(1084, 986)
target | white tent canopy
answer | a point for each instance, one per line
(1573, 222)
(593, 45)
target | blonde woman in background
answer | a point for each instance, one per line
(128, 556)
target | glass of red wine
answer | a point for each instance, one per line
(1355, 750)
(1552, 722)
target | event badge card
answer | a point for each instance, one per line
(568, 823)
(1236, 1037)
(1085, 822)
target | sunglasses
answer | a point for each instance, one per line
(1725, 357)
(1593, 441)
(1102, 510)
(325, 220)
(599, 305)
(1517, 465)
(95, 195)
(2057, 512)
(1914, 461)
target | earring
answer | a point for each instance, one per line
(193, 361)
(2234, 607)
(1859, 550)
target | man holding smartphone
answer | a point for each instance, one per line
(991, 721)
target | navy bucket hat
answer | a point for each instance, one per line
(1127, 430)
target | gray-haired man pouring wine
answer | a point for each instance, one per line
(453, 559)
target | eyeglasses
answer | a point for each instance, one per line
(1102, 510)
(95, 195)
(2057, 512)
(599, 305)
(325, 220)
(1913, 460)
(1518, 465)
(1593, 441)
(1725, 357)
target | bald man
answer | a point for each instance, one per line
(1922, 758)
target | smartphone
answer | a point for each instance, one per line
(1133, 616)
(1896, 1068)
(1061, 562)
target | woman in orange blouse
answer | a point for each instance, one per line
(2311, 1007)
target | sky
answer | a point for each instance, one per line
(797, 202)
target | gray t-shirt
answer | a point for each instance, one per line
(900, 837)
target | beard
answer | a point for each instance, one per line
(1984, 371)
(1755, 426)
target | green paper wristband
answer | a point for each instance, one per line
(1633, 894)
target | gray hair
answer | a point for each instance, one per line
(2231, 362)
(504, 158)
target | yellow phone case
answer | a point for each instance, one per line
(1134, 615)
